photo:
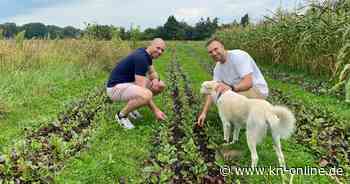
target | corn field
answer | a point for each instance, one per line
(315, 39)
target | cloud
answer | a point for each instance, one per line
(144, 13)
(189, 14)
(119, 13)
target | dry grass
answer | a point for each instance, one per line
(40, 53)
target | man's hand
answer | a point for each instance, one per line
(222, 87)
(159, 115)
(201, 119)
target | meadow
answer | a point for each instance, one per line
(58, 124)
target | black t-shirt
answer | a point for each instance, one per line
(137, 63)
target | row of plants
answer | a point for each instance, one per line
(42, 153)
(312, 85)
(180, 153)
(325, 135)
(203, 62)
(213, 149)
(199, 134)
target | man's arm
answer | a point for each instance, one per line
(245, 84)
(140, 81)
(152, 74)
(207, 104)
(153, 106)
(203, 115)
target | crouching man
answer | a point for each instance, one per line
(236, 70)
(135, 81)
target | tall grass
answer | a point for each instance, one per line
(316, 40)
(20, 55)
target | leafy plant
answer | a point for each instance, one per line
(20, 39)
(1, 34)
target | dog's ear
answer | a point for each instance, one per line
(211, 85)
(205, 84)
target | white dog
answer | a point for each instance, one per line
(256, 115)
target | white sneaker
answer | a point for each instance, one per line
(135, 115)
(124, 121)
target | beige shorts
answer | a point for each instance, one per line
(252, 93)
(127, 91)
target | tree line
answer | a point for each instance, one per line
(38, 30)
(171, 30)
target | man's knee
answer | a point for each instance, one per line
(146, 95)
(158, 88)
(161, 86)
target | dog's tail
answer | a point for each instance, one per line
(284, 124)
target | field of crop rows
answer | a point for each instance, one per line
(84, 144)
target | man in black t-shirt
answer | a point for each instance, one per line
(135, 81)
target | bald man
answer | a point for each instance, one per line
(135, 81)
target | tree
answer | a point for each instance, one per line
(205, 28)
(9, 30)
(55, 32)
(35, 30)
(189, 31)
(245, 20)
(99, 32)
(71, 32)
(123, 34)
(172, 29)
(135, 35)
(150, 33)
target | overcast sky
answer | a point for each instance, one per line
(134, 12)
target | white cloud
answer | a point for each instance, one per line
(188, 14)
(100, 11)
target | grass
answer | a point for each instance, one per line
(34, 97)
(116, 153)
(113, 153)
(296, 155)
(340, 109)
(124, 151)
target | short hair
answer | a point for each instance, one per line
(213, 39)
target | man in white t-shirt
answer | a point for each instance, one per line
(235, 70)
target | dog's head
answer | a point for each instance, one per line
(208, 87)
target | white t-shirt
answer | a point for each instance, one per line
(239, 63)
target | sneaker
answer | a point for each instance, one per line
(124, 121)
(135, 115)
